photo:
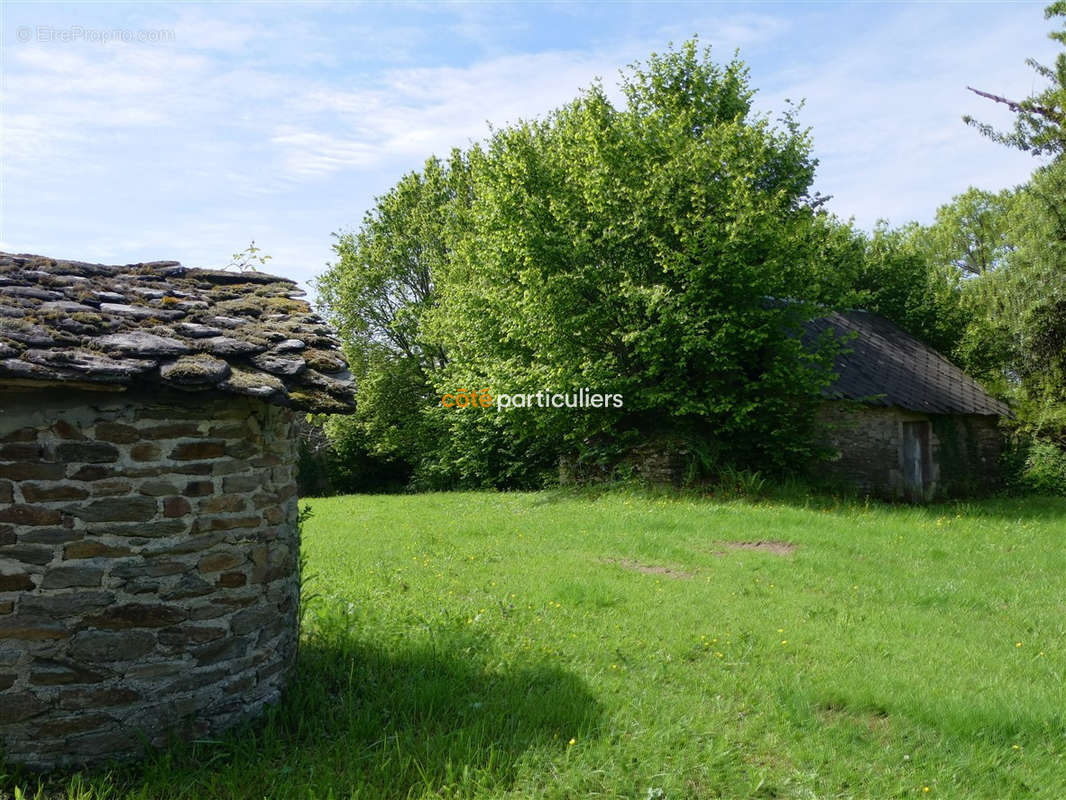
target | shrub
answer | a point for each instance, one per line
(1033, 465)
(1045, 469)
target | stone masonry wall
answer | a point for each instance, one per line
(964, 450)
(660, 460)
(148, 569)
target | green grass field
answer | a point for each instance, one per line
(567, 646)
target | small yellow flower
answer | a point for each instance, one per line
(784, 641)
(1017, 644)
(572, 742)
(1015, 747)
(780, 630)
(925, 788)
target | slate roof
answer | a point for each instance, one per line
(159, 323)
(888, 367)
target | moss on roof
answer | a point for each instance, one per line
(882, 365)
(233, 332)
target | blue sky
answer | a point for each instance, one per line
(183, 131)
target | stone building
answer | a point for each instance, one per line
(901, 421)
(905, 422)
(149, 550)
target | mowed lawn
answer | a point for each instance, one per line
(565, 646)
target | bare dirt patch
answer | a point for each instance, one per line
(775, 546)
(651, 569)
(875, 722)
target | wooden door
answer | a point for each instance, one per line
(916, 469)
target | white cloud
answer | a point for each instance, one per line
(887, 120)
(726, 33)
(280, 123)
(311, 153)
(198, 31)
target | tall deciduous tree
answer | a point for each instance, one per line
(1022, 309)
(376, 294)
(890, 272)
(654, 250)
(1024, 305)
(971, 232)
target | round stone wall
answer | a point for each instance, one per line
(149, 579)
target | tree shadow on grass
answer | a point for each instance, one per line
(436, 716)
(366, 719)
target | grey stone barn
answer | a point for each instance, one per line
(905, 422)
(149, 545)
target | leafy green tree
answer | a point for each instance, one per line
(1021, 310)
(1040, 121)
(891, 272)
(654, 251)
(1011, 329)
(971, 232)
(901, 281)
(376, 295)
(376, 292)
(1028, 305)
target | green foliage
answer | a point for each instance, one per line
(1018, 333)
(353, 463)
(334, 457)
(1015, 331)
(1036, 466)
(891, 272)
(972, 232)
(1045, 469)
(1037, 290)
(1040, 122)
(901, 282)
(659, 249)
(250, 258)
(376, 294)
(1020, 311)
(737, 483)
(486, 448)
(837, 263)
(383, 281)
(703, 458)
(639, 250)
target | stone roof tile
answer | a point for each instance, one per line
(249, 333)
(883, 365)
